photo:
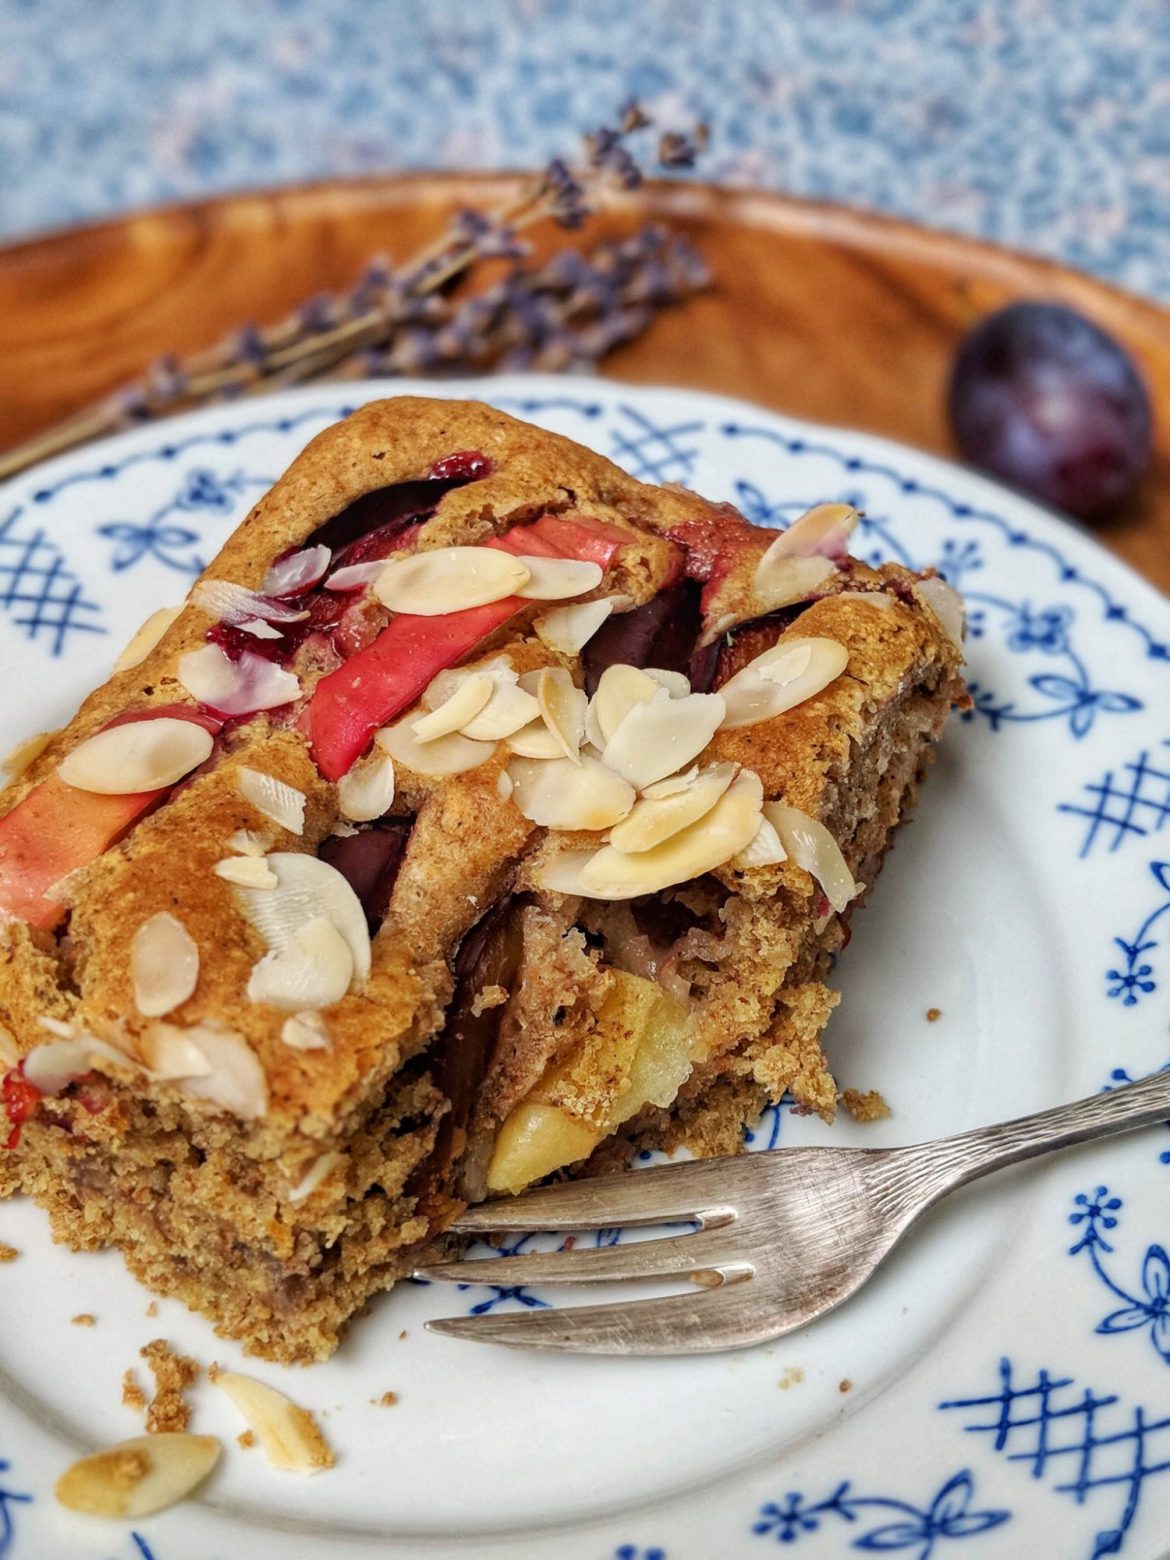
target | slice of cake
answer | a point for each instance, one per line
(482, 813)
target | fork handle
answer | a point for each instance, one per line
(968, 1155)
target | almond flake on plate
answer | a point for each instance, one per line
(453, 714)
(280, 802)
(781, 678)
(367, 790)
(240, 687)
(656, 738)
(557, 579)
(289, 1435)
(140, 755)
(164, 965)
(657, 819)
(810, 845)
(559, 794)
(449, 579)
(567, 630)
(137, 1477)
(145, 637)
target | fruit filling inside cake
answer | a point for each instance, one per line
(482, 814)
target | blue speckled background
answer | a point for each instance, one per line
(1039, 123)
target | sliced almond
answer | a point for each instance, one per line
(671, 784)
(824, 529)
(657, 819)
(246, 842)
(171, 1052)
(307, 889)
(464, 704)
(247, 871)
(230, 1076)
(559, 794)
(871, 598)
(534, 741)
(298, 572)
(508, 710)
(305, 1032)
(276, 799)
(946, 604)
(810, 845)
(58, 1063)
(655, 739)
(567, 630)
(505, 785)
(727, 829)
(315, 972)
(449, 579)
(137, 1477)
(315, 1176)
(261, 630)
(781, 579)
(557, 579)
(562, 707)
(367, 790)
(765, 849)
(238, 687)
(24, 753)
(289, 1435)
(619, 688)
(164, 965)
(780, 679)
(228, 602)
(451, 755)
(677, 684)
(443, 684)
(141, 755)
(9, 1050)
(355, 576)
(146, 637)
(561, 874)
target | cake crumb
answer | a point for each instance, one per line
(844, 1386)
(8, 1253)
(791, 1376)
(168, 1410)
(246, 1438)
(132, 1394)
(152, 1309)
(402, 1335)
(388, 1400)
(933, 1015)
(83, 1319)
(865, 1106)
(488, 997)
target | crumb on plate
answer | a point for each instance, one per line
(168, 1410)
(867, 1105)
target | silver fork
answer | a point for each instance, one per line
(783, 1236)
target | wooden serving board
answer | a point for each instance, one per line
(819, 311)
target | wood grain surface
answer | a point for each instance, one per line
(819, 311)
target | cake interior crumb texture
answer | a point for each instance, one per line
(305, 1169)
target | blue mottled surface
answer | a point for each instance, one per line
(1038, 124)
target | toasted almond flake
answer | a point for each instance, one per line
(534, 741)
(561, 874)
(619, 688)
(137, 1477)
(24, 753)
(726, 830)
(247, 871)
(505, 785)
(556, 579)
(228, 602)
(315, 1176)
(824, 529)
(451, 755)
(558, 794)
(872, 598)
(655, 820)
(567, 630)
(443, 684)
(229, 1074)
(765, 849)
(305, 1032)
(298, 572)
(508, 710)
(367, 790)
(142, 755)
(307, 889)
(449, 579)
(9, 1051)
(355, 576)
(315, 972)
(672, 783)
(655, 739)
(276, 799)
(246, 842)
(164, 965)
(289, 1435)
(810, 845)
(946, 604)
(781, 678)
(464, 704)
(235, 687)
(562, 707)
(146, 636)
(780, 579)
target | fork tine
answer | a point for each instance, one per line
(678, 1257)
(723, 1318)
(695, 1189)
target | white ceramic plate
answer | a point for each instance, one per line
(1003, 1387)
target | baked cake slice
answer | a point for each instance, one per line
(482, 813)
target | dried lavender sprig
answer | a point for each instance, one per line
(327, 334)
